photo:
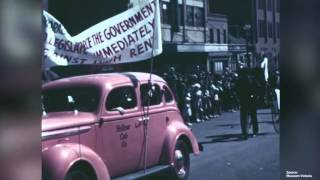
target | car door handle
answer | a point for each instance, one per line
(143, 119)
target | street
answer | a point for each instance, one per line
(227, 157)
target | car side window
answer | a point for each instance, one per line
(167, 94)
(150, 94)
(124, 97)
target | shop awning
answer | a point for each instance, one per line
(195, 48)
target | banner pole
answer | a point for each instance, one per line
(150, 84)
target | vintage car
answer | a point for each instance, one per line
(113, 126)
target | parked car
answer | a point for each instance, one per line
(115, 125)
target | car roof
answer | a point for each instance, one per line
(103, 79)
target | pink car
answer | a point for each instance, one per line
(115, 125)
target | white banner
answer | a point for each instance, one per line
(131, 36)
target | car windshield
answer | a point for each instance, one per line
(83, 99)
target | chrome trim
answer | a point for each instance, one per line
(64, 132)
(144, 119)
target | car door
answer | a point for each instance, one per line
(122, 137)
(154, 129)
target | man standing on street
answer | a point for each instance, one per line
(172, 81)
(247, 90)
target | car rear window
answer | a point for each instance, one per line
(83, 99)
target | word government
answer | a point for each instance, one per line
(120, 28)
(129, 41)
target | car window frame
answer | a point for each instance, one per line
(105, 110)
(164, 98)
(99, 91)
(161, 91)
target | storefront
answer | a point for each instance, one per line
(217, 62)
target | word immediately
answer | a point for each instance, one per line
(126, 42)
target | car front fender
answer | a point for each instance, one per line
(57, 161)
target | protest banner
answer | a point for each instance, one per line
(131, 36)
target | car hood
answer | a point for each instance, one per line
(61, 120)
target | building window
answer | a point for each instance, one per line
(261, 4)
(190, 21)
(165, 13)
(218, 67)
(198, 16)
(269, 5)
(211, 6)
(278, 5)
(195, 16)
(261, 28)
(211, 36)
(218, 36)
(264, 29)
(270, 32)
(181, 14)
(278, 30)
(225, 36)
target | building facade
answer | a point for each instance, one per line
(264, 18)
(217, 35)
(267, 34)
(187, 41)
(183, 32)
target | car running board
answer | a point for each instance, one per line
(143, 173)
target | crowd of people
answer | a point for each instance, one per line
(202, 95)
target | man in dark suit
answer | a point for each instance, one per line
(247, 86)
